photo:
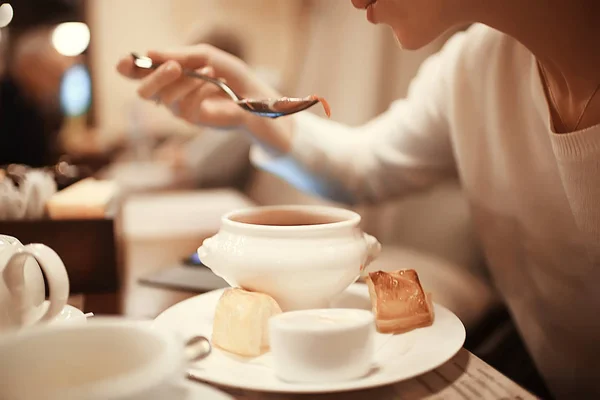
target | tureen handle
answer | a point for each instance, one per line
(203, 250)
(373, 249)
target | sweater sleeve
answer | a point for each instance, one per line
(407, 148)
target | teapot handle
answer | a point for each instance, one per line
(373, 249)
(54, 271)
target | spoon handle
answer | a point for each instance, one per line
(210, 79)
(197, 348)
(148, 63)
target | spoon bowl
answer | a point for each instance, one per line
(274, 108)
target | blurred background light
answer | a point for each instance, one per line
(76, 91)
(71, 38)
(6, 14)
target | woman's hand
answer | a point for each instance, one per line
(200, 102)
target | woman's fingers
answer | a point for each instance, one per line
(152, 84)
(127, 68)
(190, 98)
(193, 57)
(208, 106)
(182, 87)
(221, 112)
(189, 106)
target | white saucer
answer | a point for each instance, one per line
(397, 358)
(197, 391)
(68, 314)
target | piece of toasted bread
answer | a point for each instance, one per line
(398, 301)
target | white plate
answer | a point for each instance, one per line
(398, 357)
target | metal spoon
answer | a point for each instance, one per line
(197, 348)
(269, 108)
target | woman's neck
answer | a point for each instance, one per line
(562, 33)
(563, 36)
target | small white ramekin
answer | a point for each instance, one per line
(328, 345)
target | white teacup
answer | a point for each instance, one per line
(302, 256)
(22, 291)
(105, 359)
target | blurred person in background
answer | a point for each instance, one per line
(511, 106)
(30, 115)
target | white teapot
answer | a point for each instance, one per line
(22, 290)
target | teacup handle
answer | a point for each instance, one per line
(54, 271)
(373, 249)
